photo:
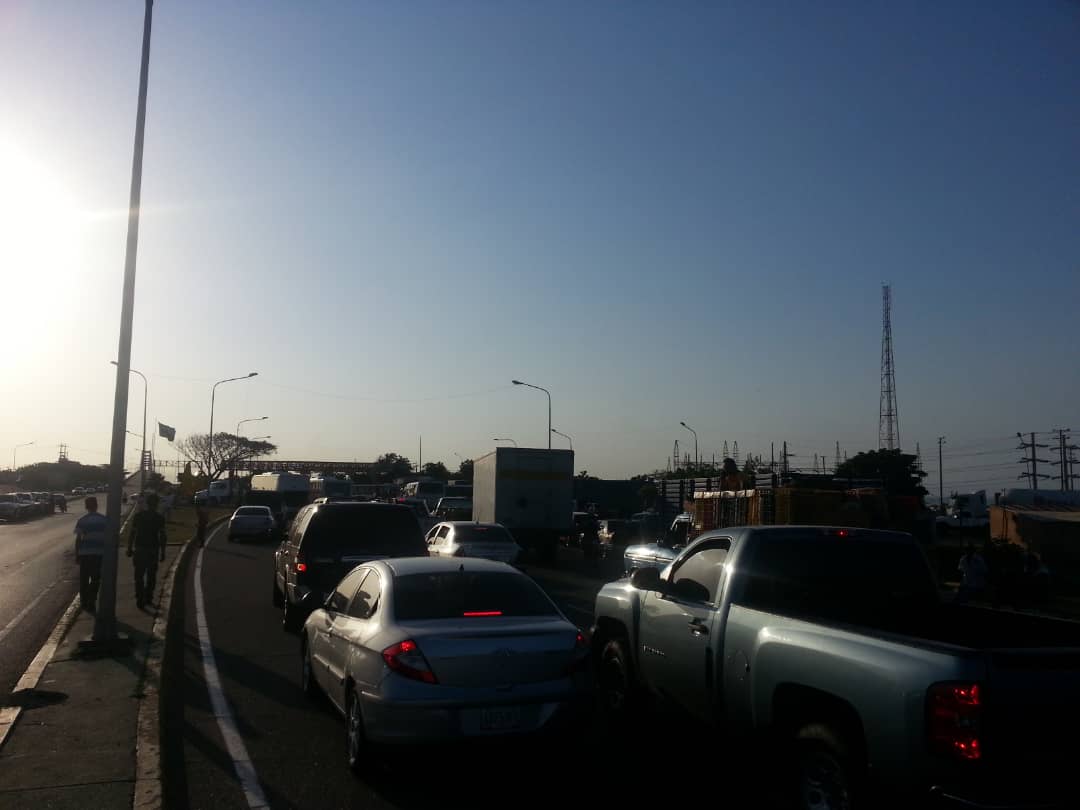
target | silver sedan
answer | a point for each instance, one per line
(463, 538)
(421, 649)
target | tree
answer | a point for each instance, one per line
(584, 476)
(390, 466)
(897, 471)
(464, 471)
(436, 469)
(227, 451)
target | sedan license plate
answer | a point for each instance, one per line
(501, 719)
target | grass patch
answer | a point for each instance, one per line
(180, 526)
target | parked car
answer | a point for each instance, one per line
(29, 505)
(428, 650)
(467, 539)
(833, 646)
(251, 521)
(43, 502)
(325, 541)
(12, 508)
(78, 492)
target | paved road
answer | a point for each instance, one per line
(297, 747)
(38, 579)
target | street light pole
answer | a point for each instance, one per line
(538, 388)
(142, 456)
(210, 438)
(696, 460)
(940, 478)
(559, 433)
(15, 452)
(253, 419)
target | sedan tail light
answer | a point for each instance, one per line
(953, 714)
(300, 565)
(581, 659)
(406, 660)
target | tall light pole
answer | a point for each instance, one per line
(105, 637)
(210, 445)
(538, 388)
(696, 461)
(244, 421)
(558, 433)
(496, 439)
(15, 452)
(142, 455)
(940, 477)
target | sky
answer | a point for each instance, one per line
(660, 212)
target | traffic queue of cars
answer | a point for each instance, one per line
(16, 507)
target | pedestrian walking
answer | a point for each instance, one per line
(147, 544)
(201, 519)
(89, 546)
(974, 573)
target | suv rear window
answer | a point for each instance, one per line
(253, 510)
(364, 529)
(482, 534)
(452, 594)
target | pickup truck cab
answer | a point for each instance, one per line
(831, 646)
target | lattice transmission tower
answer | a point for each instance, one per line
(888, 415)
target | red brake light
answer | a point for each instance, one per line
(953, 714)
(406, 660)
(301, 567)
(470, 614)
(580, 643)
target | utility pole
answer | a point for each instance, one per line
(105, 636)
(784, 456)
(1072, 463)
(940, 476)
(1034, 475)
(837, 464)
(1063, 460)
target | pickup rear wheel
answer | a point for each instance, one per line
(826, 772)
(618, 689)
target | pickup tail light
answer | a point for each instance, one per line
(953, 719)
(300, 565)
(406, 660)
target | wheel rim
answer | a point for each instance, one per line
(614, 684)
(823, 784)
(354, 731)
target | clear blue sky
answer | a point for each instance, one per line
(661, 212)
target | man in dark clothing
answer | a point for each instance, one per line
(200, 527)
(146, 543)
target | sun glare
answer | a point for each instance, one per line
(40, 235)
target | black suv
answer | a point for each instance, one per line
(327, 540)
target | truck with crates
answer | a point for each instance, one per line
(530, 491)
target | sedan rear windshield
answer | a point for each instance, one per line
(482, 534)
(454, 594)
(365, 530)
(253, 510)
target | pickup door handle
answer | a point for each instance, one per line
(698, 627)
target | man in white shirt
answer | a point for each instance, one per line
(89, 546)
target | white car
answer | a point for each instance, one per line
(251, 521)
(417, 650)
(459, 538)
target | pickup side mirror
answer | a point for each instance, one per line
(646, 579)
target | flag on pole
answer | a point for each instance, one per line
(165, 431)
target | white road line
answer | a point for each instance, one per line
(245, 768)
(22, 613)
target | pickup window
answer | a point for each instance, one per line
(847, 579)
(702, 573)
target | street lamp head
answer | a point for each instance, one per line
(683, 424)
(517, 382)
(254, 374)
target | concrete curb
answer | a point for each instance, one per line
(149, 785)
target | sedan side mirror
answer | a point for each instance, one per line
(646, 579)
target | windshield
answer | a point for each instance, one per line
(456, 595)
(482, 534)
(260, 511)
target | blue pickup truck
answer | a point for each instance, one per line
(832, 647)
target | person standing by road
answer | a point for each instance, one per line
(146, 543)
(89, 546)
(973, 574)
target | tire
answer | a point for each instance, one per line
(308, 685)
(279, 597)
(617, 687)
(356, 753)
(826, 773)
